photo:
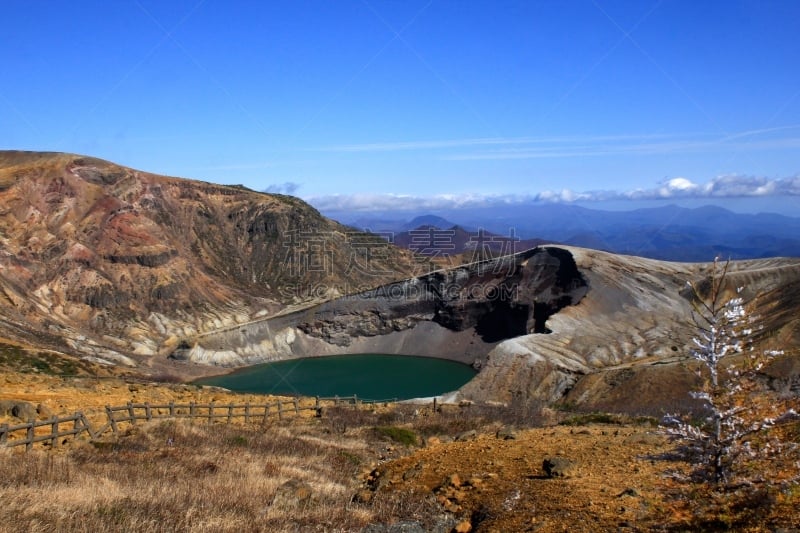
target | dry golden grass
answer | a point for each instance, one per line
(175, 476)
(179, 476)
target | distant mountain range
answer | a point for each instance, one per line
(447, 239)
(670, 233)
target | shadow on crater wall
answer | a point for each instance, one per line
(483, 303)
(516, 299)
(505, 321)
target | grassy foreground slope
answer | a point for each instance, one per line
(353, 470)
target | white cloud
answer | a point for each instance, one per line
(405, 202)
(731, 186)
(680, 184)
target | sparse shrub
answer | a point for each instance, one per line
(237, 440)
(394, 416)
(592, 418)
(341, 419)
(349, 457)
(608, 418)
(565, 406)
(400, 435)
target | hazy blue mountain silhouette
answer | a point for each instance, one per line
(670, 232)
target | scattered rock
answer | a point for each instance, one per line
(467, 435)
(630, 491)
(376, 479)
(292, 494)
(506, 433)
(22, 410)
(452, 507)
(454, 480)
(432, 441)
(558, 467)
(5, 407)
(511, 500)
(475, 482)
(413, 472)
(43, 411)
(465, 526)
(458, 496)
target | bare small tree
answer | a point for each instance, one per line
(733, 434)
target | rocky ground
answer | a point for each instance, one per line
(466, 471)
(602, 478)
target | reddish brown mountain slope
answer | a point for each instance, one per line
(118, 261)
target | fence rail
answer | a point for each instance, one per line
(79, 425)
(131, 413)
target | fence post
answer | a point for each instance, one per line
(434, 404)
(172, 409)
(84, 425)
(317, 408)
(296, 406)
(191, 411)
(3, 434)
(247, 412)
(148, 413)
(336, 400)
(29, 442)
(210, 411)
(280, 410)
(230, 412)
(78, 420)
(54, 432)
(355, 401)
(111, 420)
(266, 414)
(131, 414)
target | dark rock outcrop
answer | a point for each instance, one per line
(499, 299)
(459, 313)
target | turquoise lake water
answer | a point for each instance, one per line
(370, 376)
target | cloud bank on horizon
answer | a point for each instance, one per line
(676, 188)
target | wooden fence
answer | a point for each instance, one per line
(79, 425)
(25, 434)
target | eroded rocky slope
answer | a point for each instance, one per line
(458, 313)
(589, 329)
(122, 266)
(118, 264)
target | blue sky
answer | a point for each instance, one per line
(352, 101)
